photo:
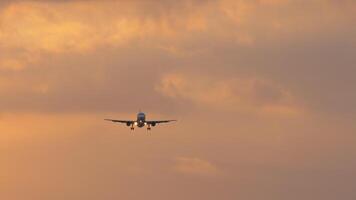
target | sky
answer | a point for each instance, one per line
(263, 91)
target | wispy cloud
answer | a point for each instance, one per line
(68, 26)
(195, 166)
(237, 94)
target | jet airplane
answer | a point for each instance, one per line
(140, 122)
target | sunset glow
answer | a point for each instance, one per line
(263, 91)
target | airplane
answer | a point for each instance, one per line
(140, 122)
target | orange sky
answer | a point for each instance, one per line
(264, 91)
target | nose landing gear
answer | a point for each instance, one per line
(149, 127)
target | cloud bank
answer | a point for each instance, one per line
(263, 91)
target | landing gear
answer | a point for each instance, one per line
(149, 127)
(132, 128)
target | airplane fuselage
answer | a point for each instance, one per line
(141, 120)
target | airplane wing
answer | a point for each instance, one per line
(160, 121)
(120, 121)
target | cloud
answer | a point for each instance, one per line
(60, 27)
(249, 36)
(36, 26)
(195, 166)
(217, 66)
(235, 94)
(36, 29)
(68, 26)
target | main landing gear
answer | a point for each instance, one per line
(149, 127)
